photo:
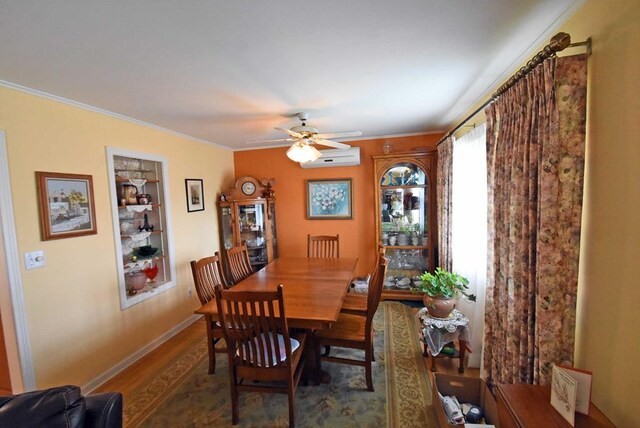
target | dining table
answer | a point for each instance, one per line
(313, 289)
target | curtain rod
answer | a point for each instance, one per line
(558, 43)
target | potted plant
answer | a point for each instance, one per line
(403, 236)
(442, 289)
(415, 231)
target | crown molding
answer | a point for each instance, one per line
(41, 94)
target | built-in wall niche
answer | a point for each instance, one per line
(141, 223)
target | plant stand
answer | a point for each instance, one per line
(438, 332)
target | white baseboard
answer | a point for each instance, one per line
(102, 378)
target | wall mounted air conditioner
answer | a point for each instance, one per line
(335, 157)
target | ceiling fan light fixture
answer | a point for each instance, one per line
(302, 152)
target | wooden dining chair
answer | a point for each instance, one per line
(239, 264)
(260, 348)
(323, 246)
(207, 275)
(357, 303)
(355, 331)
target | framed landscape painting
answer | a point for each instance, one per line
(66, 206)
(329, 199)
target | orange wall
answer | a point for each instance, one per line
(357, 236)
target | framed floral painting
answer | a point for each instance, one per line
(329, 199)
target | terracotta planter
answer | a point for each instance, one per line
(439, 307)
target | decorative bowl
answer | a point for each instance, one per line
(137, 280)
(146, 250)
(404, 283)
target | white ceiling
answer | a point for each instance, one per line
(229, 71)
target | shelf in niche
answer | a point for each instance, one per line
(122, 207)
(155, 232)
(404, 186)
(127, 259)
(126, 180)
(148, 288)
(406, 247)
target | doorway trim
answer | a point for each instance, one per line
(7, 222)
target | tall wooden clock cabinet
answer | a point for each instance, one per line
(248, 215)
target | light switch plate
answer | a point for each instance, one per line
(34, 259)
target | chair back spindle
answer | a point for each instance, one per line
(239, 263)
(323, 246)
(207, 273)
(256, 325)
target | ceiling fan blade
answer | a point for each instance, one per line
(333, 144)
(271, 141)
(340, 134)
(290, 132)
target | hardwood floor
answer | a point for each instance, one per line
(130, 378)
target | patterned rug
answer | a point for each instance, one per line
(182, 394)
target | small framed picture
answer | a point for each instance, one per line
(66, 206)
(329, 199)
(195, 194)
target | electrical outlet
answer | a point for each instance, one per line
(34, 259)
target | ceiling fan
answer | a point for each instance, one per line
(304, 136)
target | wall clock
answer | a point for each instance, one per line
(248, 188)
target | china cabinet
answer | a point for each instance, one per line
(248, 215)
(142, 226)
(405, 196)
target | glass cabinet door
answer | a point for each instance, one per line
(252, 230)
(404, 220)
(226, 220)
(274, 236)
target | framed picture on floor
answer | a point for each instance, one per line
(195, 194)
(65, 203)
(329, 199)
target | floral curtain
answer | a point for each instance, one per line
(535, 165)
(444, 188)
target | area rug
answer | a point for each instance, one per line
(183, 394)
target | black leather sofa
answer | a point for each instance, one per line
(63, 406)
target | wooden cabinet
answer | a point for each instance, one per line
(523, 405)
(248, 215)
(405, 195)
(142, 226)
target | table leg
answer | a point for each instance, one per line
(463, 347)
(208, 319)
